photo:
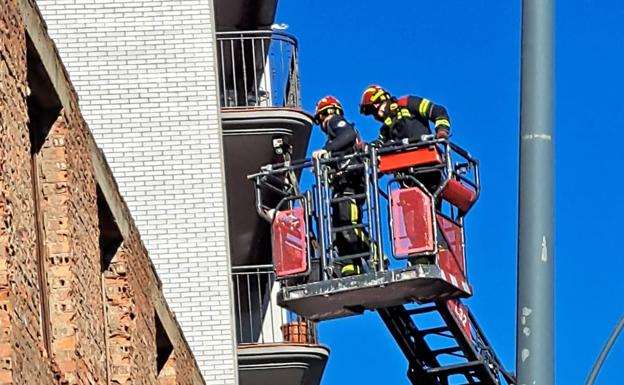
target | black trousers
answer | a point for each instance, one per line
(348, 212)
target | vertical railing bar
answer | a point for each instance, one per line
(251, 328)
(282, 71)
(375, 184)
(246, 95)
(240, 314)
(234, 72)
(326, 201)
(371, 235)
(256, 85)
(223, 83)
(264, 71)
(297, 80)
(319, 221)
(260, 300)
(272, 280)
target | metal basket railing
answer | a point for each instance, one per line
(258, 317)
(258, 69)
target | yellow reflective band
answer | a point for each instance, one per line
(442, 122)
(360, 234)
(354, 213)
(350, 268)
(423, 107)
(405, 113)
(388, 121)
(377, 96)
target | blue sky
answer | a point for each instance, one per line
(465, 55)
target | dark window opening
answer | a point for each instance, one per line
(44, 107)
(164, 347)
(43, 102)
(110, 236)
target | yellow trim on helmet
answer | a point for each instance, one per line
(378, 95)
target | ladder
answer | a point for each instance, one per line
(463, 354)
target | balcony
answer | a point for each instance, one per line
(260, 101)
(258, 69)
(272, 342)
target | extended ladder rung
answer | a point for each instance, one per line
(437, 330)
(452, 350)
(465, 368)
(351, 256)
(347, 197)
(422, 310)
(348, 227)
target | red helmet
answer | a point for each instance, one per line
(327, 105)
(371, 96)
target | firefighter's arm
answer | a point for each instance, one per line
(383, 137)
(345, 136)
(433, 112)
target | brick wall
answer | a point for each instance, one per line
(145, 72)
(101, 324)
(22, 357)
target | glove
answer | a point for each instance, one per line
(320, 154)
(442, 133)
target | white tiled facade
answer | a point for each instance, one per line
(145, 73)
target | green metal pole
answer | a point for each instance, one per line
(535, 312)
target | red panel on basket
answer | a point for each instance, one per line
(420, 157)
(288, 239)
(459, 195)
(452, 260)
(412, 222)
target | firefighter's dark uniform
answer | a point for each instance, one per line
(342, 139)
(409, 117)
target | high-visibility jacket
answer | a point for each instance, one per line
(409, 117)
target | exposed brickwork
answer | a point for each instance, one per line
(167, 375)
(145, 72)
(22, 357)
(72, 258)
(102, 331)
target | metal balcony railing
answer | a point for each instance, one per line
(258, 69)
(259, 320)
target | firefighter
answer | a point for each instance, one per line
(342, 139)
(407, 117)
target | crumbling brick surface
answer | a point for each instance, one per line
(167, 375)
(22, 357)
(102, 326)
(72, 259)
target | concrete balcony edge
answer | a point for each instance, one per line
(293, 364)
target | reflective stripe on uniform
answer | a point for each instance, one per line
(361, 234)
(424, 107)
(442, 122)
(350, 268)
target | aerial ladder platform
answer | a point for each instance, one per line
(416, 196)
